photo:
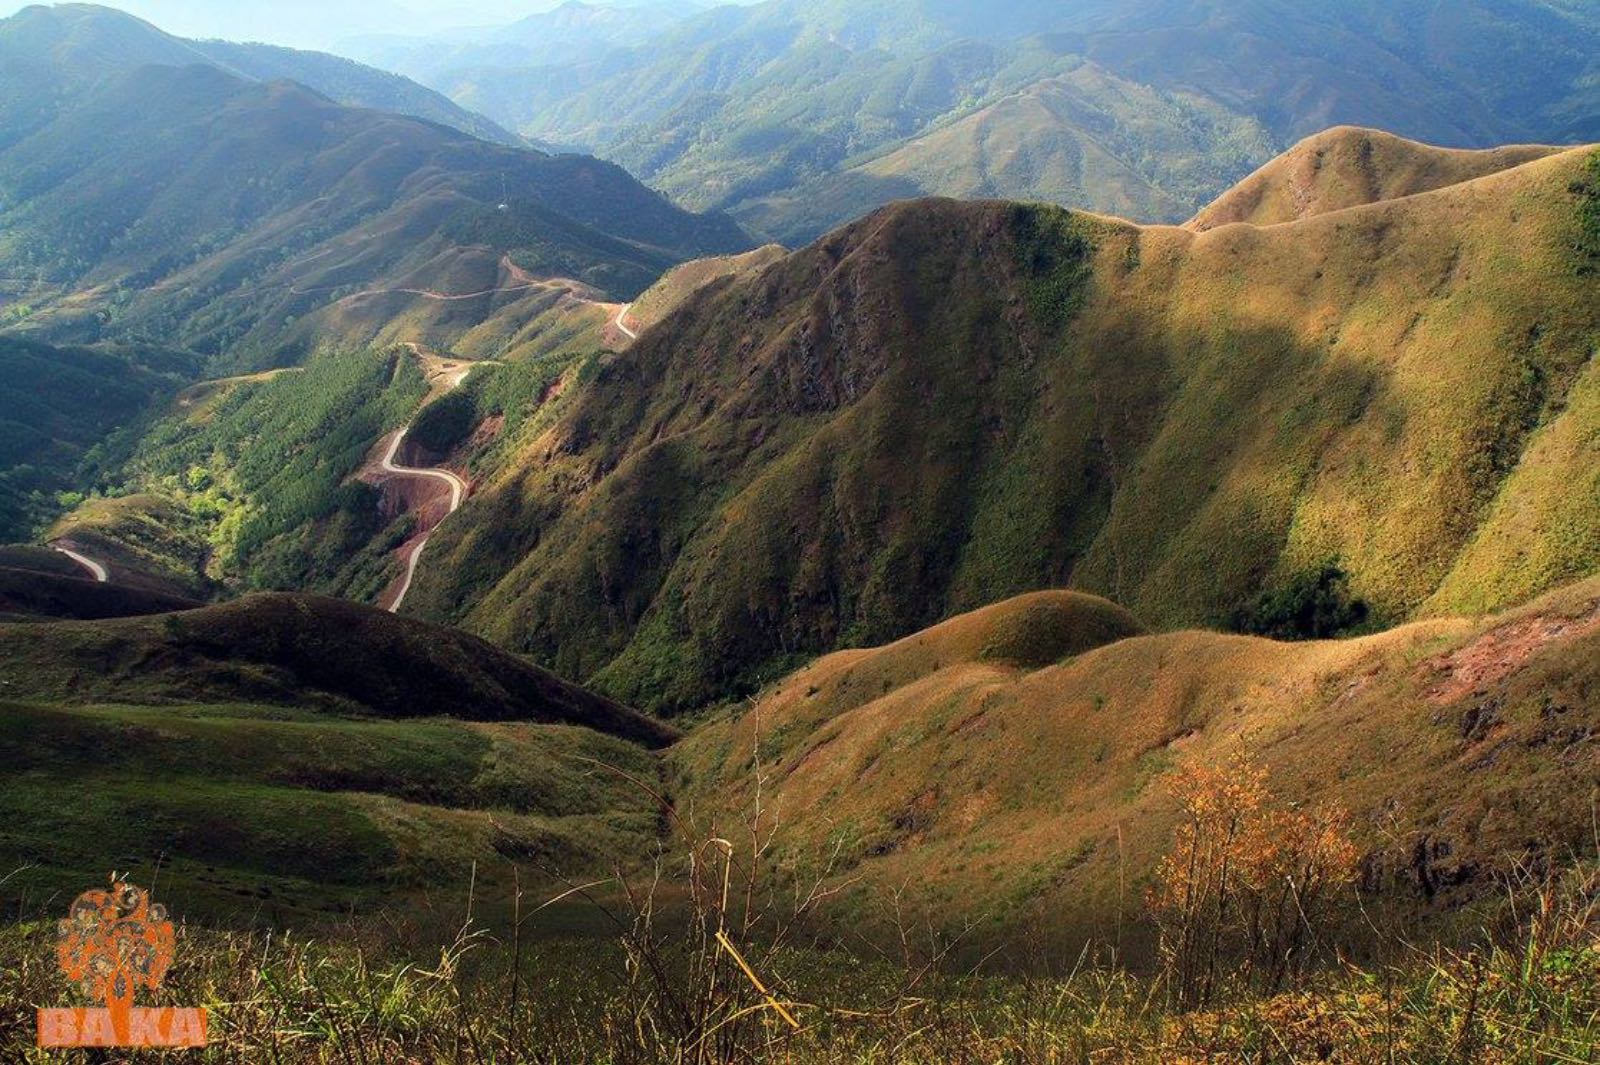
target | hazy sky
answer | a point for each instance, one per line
(315, 23)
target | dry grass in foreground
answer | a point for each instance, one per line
(1531, 995)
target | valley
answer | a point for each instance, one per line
(831, 532)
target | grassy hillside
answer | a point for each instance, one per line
(949, 404)
(254, 810)
(1030, 794)
(681, 282)
(1348, 167)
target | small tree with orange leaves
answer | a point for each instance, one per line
(1248, 885)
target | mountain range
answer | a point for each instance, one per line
(219, 213)
(71, 48)
(410, 520)
(797, 117)
(946, 404)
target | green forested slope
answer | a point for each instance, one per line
(253, 221)
(56, 404)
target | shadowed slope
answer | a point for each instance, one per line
(31, 593)
(291, 649)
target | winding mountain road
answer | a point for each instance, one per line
(444, 375)
(99, 571)
(622, 325)
(458, 494)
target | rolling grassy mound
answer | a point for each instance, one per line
(1033, 796)
(1029, 632)
(295, 650)
(1348, 167)
(286, 755)
(945, 405)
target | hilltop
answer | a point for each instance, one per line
(681, 282)
(1349, 167)
(947, 404)
(298, 651)
(296, 755)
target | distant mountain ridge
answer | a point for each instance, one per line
(187, 205)
(798, 115)
(571, 32)
(87, 43)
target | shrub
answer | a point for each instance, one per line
(1248, 885)
(1316, 604)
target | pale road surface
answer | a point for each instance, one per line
(458, 493)
(620, 324)
(99, 571)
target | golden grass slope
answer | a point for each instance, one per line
(1455, 335)
(1023, 795)
(1348, 166)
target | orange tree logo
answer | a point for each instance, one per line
(113, 944)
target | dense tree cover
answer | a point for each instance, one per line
(269, 467)
(57, 405)
(512, 392)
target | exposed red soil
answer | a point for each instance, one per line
(1502, 651)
